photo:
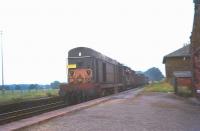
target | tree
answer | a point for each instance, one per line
(33, 86)
(17, 87)
(55, 84)
(154, 74)
(2, 89)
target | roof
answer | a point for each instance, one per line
(182, 74)
(182, 52)
(88, 52)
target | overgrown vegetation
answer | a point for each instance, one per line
(12, 96)
(166, 87)
(184, 91)
(159, 87)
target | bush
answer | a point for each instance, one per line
(159, 87)
(49, 94)
(184, 91)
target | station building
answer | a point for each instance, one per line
(179, 60)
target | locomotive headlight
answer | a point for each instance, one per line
(71, 73)
(88, 72)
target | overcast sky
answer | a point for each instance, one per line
(37, 34)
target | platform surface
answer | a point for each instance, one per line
(130, 112)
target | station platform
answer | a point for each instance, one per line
(128, 111)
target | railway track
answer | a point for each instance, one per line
(30, 111)
(18, 111)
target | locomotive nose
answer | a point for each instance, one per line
(80, 76)
(80, 79)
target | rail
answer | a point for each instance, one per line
(30, 111)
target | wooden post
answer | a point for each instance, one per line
(175, 86)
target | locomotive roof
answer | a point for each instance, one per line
(88, 52)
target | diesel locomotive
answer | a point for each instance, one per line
(92, 74)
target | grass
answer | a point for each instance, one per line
(18, 96)
(159, 87)
(184, 91)
(166, 88)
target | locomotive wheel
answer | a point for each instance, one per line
(83, 96)
(103, 93)
(79, 97)
(74, 97)
(86, 97)
(66, 99)
(70, 98)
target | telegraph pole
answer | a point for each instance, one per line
(2, 65)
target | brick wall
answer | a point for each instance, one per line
(177, 64)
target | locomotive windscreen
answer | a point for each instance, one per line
(85, 62)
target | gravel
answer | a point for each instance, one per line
(130, 112)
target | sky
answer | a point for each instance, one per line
(37, 34)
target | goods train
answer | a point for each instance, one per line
(92, 74)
